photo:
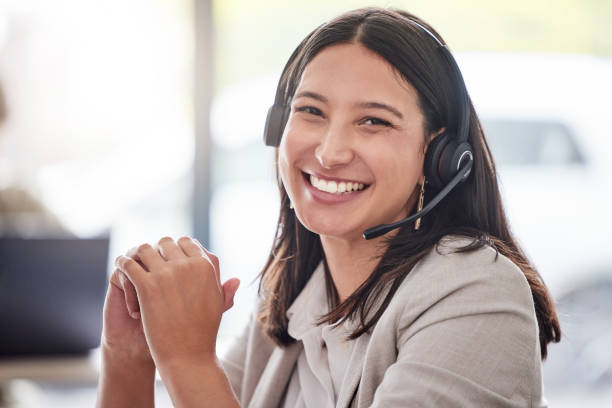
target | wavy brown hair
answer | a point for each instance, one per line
(473, 209)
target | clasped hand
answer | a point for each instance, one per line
(173, 296)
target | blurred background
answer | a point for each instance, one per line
(127, 120)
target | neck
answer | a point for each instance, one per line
(351, 262)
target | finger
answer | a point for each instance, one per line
(131, 298)
(149, 257)
(213, 258)
(114, 279)
(132, 269)
(133, 253)
(190, 248)
(229, 290)
(169, 250)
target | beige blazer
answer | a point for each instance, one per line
(461, 331)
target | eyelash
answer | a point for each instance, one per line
(310, 109)
(381, 122)
(306, 108)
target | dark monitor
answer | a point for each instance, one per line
(51, 295)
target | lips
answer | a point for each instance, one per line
(331, 194)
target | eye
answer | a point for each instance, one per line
(376, 121)
(309, 109)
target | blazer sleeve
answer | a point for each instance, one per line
(467, 336)
(247, 358)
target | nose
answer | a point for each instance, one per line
(335, 148)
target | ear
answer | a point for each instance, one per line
(431, 137)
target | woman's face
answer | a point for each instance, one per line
(354, 124)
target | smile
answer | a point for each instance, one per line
(335, 187)
(333, 191)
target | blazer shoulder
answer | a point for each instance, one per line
(472, 282)
(463, 327)
(484, 265)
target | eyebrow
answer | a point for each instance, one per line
(371, 105)
(378, 105)
(313, 95)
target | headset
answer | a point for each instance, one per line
(449, 158)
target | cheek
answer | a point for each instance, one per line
(293, 144)
(288, 156)
(283, 165)
(400, 172)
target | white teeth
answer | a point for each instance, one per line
(333, 187)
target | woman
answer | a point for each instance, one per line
(373, 123)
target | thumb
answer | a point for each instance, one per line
(229, 290)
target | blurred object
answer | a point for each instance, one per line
(21, 379)
(22, 215)
(546, 120)
(83, 368)
(19, 394)
(584, 358)
(51, 300)
(3, 109)
(100, 120)
(51, 295)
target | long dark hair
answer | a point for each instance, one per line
(474, 209)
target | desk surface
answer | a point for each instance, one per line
(52, 369)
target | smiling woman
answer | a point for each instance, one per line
(445, 311)
(372, 124)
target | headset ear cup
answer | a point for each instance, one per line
(275, 121)
(446, 168)
(275, 124)
(453, 157)
(432, 160)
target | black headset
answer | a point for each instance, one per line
(449, 158)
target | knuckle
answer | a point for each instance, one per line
(129, 263)
(114, 277)
(165, 239)
(186, 264)
(184, 239)
(143, 247)
(167, 269)
(201, 262)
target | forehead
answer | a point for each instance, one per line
(352, 71)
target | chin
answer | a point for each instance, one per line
(331, 228)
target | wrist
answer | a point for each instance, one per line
(126, 360)
(125, 383)
(192, 380)
(174, 364)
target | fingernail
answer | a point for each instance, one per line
(135, 315)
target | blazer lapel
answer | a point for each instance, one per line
(275, 377)
(348, 390)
